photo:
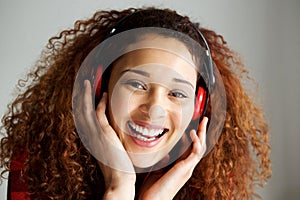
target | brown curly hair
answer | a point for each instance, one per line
(40, 122)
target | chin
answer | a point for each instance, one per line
(145, 161)
(143, 165)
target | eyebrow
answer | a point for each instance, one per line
(183, 81)
(143, 73)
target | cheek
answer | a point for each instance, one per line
(125, 102)
(184, 115)
(120, 106)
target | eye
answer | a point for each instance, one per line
(178, 94)
(136, 84)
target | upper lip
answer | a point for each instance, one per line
(148, 125)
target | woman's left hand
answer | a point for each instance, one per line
(167, 186)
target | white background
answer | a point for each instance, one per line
(265, 32)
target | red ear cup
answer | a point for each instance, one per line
(199, 103)
(97, 73)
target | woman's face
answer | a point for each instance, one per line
(151, 100)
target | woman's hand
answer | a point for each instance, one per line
(167, 186)
(103, 143)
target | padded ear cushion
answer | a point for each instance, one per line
(200, 102)
(97, 73)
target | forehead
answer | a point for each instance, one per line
(168, 44)
(155, 50)
(156, 62)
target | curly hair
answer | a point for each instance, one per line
(40, 123)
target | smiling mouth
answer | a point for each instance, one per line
(146, 134)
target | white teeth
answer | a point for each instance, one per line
(140, 137)
(145, 131)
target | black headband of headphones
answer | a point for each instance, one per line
(126, 24)
(117, 28)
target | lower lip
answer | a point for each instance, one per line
(147, 144)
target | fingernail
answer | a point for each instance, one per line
(206, 120)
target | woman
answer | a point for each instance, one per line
(51, 155)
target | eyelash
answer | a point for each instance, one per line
(136, 84)
(178, 94)
(141, 86)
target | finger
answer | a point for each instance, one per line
(83, 105)
(104, 123)
(101, 107)
(194, 136)
(196, 143)
(198, 149)
(100, 112)
(87, 98)
(202, 130)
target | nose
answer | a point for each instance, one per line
(156, 112)
(155, 104)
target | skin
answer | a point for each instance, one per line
(157, 101)
(157, 90)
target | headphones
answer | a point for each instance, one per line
(204, 84)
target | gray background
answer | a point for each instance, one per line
(266, 34)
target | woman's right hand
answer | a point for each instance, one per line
(103, 143)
